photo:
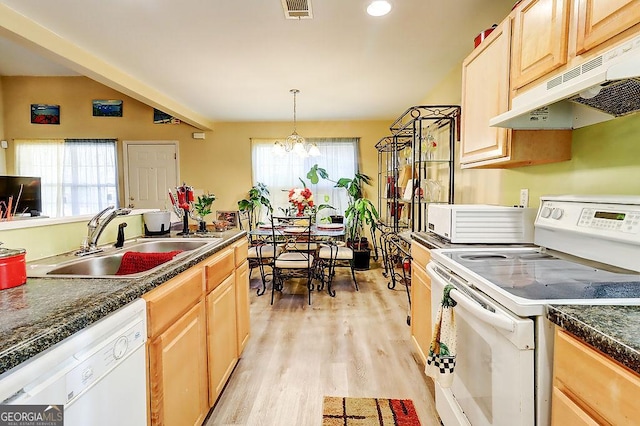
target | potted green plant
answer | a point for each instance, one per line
(202, 208)
(360, 213)
(257, 198)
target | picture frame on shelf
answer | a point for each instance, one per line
(230, 216)
(45, 114)
(107, 108)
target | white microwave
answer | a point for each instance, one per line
(481, 223)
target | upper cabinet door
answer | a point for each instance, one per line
(600, 20)
(485, 94)
(540, 37)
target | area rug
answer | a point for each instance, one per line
(338, 411)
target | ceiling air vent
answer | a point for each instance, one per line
(297, 9)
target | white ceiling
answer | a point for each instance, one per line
(235, 60)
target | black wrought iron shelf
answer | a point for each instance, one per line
(425, 135)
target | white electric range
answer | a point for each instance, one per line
(588, 252)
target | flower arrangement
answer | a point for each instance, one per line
(301, 198)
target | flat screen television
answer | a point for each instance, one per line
(30, 202)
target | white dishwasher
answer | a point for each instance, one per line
(98, 374)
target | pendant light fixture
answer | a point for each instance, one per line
(294, 142)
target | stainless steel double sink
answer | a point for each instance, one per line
(105, 264)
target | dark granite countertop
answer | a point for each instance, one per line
(614, 330)
(427, 239)
(45, 311)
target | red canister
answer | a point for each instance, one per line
(13, 268)
(480, 37)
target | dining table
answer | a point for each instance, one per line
(331, 233)
(320, 232)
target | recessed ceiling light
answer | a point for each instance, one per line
(379, 8)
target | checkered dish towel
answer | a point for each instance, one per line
(442, 359)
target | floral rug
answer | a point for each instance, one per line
(338, 411)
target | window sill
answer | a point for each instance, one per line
(33, 222)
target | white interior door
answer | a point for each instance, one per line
(151, 170)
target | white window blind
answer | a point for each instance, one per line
(79, 176)
(339, 158)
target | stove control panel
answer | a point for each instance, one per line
(610, 220)
(593, 218)
(604, 229)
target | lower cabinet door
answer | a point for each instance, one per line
(421, 311)
(222, 336)
(242, 306)
(178, 371)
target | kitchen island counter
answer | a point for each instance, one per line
(612, 330)
(45, 311)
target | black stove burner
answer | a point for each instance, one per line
(484, 257)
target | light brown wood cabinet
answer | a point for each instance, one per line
(485, 94)
(195, 337)
(218, 267)
(539, 42)
(177, 331)
(222, 337)
(554, 36)
(222, 334)
(421, 327)
(589, 387)
(243, 320)
(601, 20)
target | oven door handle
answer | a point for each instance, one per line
(494, 319)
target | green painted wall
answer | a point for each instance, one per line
(605, 160)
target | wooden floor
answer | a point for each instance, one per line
(356, 344)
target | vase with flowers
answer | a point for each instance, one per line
(301, 199)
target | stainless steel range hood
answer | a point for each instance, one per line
(602, 88)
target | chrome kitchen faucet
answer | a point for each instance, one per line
(95, 228)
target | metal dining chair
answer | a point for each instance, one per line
(331, 255)
(297, 257)
(261, 252)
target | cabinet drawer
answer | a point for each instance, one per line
(219, 267)
(420, 255)
(241, 250)
(166, 303)
(566, 412)
(596, 381)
